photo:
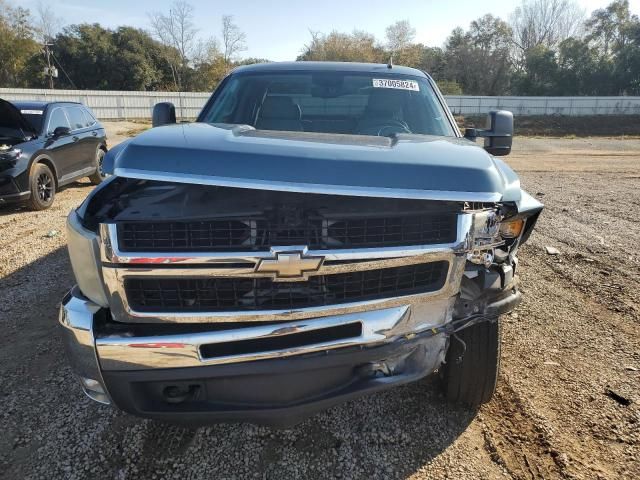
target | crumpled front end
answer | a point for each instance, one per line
(199, 303)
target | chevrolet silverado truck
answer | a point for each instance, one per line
(322, 231)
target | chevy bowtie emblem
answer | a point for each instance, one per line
(289, 265)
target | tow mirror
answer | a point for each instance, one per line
(498, 135)
(164, 113)
(61, 132)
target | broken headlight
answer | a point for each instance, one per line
(484, 237)
(511, 228)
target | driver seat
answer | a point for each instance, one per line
(279, 113)
(384, 105)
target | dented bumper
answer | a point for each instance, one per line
(179, 377)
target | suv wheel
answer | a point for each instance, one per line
(98, 176)
(42, 184)
(471, 380)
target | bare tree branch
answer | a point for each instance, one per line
(47, 24)
(233, 39)
(178, 33)
(545, 22)
(400, 35)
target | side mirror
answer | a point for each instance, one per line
(164, 113)
(61, 132)
(498, 136)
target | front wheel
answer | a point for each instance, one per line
(42, 184)
(470, 373)
(99, 175)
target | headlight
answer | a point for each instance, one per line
(11, 156)
(84, 252)
(511, 228)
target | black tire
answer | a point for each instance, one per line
(98, 176)
(42, 184)
(472, 380)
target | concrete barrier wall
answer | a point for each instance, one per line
(119, 105)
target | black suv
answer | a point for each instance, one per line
(45, 145)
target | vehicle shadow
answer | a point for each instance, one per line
(15, 208)
(28, 308)
(51, 425)
(387, 435)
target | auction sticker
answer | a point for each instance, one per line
(398, 84)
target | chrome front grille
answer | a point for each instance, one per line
(207, 294)
(198, 284)
(260, 233)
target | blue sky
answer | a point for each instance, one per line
(278, 29)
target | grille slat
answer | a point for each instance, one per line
(184, 294)
(259, 234)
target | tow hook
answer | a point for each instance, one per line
(179, 394)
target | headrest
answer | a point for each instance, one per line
(280, 108)
(384, 101)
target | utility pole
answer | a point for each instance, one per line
(50, 71)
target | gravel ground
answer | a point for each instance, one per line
(571, 361)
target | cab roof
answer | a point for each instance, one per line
(329, 67)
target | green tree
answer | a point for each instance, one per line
(94, 57)
(611, 28)
(86, 53)
(450, 87)
(615, 31)
(581, 70)
(17, 45)
(540, 73)
(141, 63)
(479, 59)
(358, 46)
(627, 62)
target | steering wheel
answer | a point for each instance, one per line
(388, 127)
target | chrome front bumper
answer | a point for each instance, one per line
(77, 317)
(408, 331)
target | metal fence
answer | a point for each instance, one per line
(119, 105)
(570, 106)
(116, 105)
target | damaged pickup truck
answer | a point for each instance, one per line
(321, 231)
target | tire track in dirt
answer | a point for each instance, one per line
(518, 441)
(570, 340)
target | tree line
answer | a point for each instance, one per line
(168, 55)
(545, 47)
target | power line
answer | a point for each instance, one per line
(63, 71)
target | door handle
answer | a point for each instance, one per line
(75, 139)
(95, 134)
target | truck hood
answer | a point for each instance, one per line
(12, 119)
(406, 166)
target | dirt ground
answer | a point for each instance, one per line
(567, 406)
(566, 126)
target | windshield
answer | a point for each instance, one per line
(34, 117)
(330, 102)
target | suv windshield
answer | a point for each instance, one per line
(330, 102)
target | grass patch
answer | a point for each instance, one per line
(140, 127)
